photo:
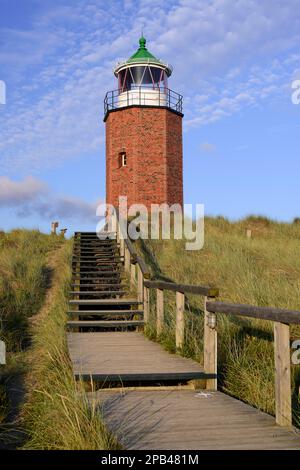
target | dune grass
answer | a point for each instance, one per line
(35, 272)
(263, 270)
(23, 283)
(57, 414)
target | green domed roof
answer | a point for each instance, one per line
(143, 54)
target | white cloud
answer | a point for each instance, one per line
(32, 196)
(206, 147)
(225, 56)
(13, 193)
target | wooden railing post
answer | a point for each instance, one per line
(127, 259)
(140, 283)
(146, 304)
(210, 346)
(117, 226)
(180, 299)
(159, 311)
(283, 392)
(121, 237)
(132, 274)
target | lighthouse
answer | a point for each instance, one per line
(143, 119)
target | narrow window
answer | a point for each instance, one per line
(122, 159)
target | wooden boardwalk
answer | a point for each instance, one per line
(186, 419)
(154, 410)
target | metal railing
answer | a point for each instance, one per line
(143, 96)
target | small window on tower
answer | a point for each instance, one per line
(123, 159)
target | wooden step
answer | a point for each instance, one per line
(113, 284)
(97, 271)
(99, 292)
(79, 275)
(97, 260)
(104, 278)
(96, 252)
(104, 324)
(97, 242)
(107, 249)
(94, 256)
(96, 313)
(105, 302)
(96, 235)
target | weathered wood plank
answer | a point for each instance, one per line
(210, 347)
(129, 355)
(105, 302)
(170, 420)
(105, 313)
(184, 288)
(160, 315)
(283, 391)
(104, 323)
(146, 304)
(264, 313)
(180, 300)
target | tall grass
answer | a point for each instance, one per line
(23, 282)
(263, 270)
(57, 413)
(35, 273)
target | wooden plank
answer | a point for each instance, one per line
(186, 420)
(112, 276)
(125, 313)
(105, 302)
(283, 391)
(146, 304)
(264, 313)
(104, 324)
(210, 347)
(184, 288)
(144, 267)
(99, 284)
(180, 300)
(159, 311)
(127, 355)
(97, 271)
(132, 275)
(140, 283)
(96, 262)
(98, 292)
(127, 260)
(97, 258)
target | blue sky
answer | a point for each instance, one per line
(234, 62)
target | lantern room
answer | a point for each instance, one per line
(143, 80)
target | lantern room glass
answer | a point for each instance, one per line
(146, 76)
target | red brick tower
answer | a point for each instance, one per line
(143, 134)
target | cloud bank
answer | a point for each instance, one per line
(33, 197)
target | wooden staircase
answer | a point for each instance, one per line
(99, 299)
(147, 396)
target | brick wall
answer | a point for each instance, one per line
(152, 140)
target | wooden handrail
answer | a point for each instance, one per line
(264, 313)
(282, 318)
(183, 288)
(144, 267)
(134, 257)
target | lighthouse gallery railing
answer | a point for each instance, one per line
(143, 96)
